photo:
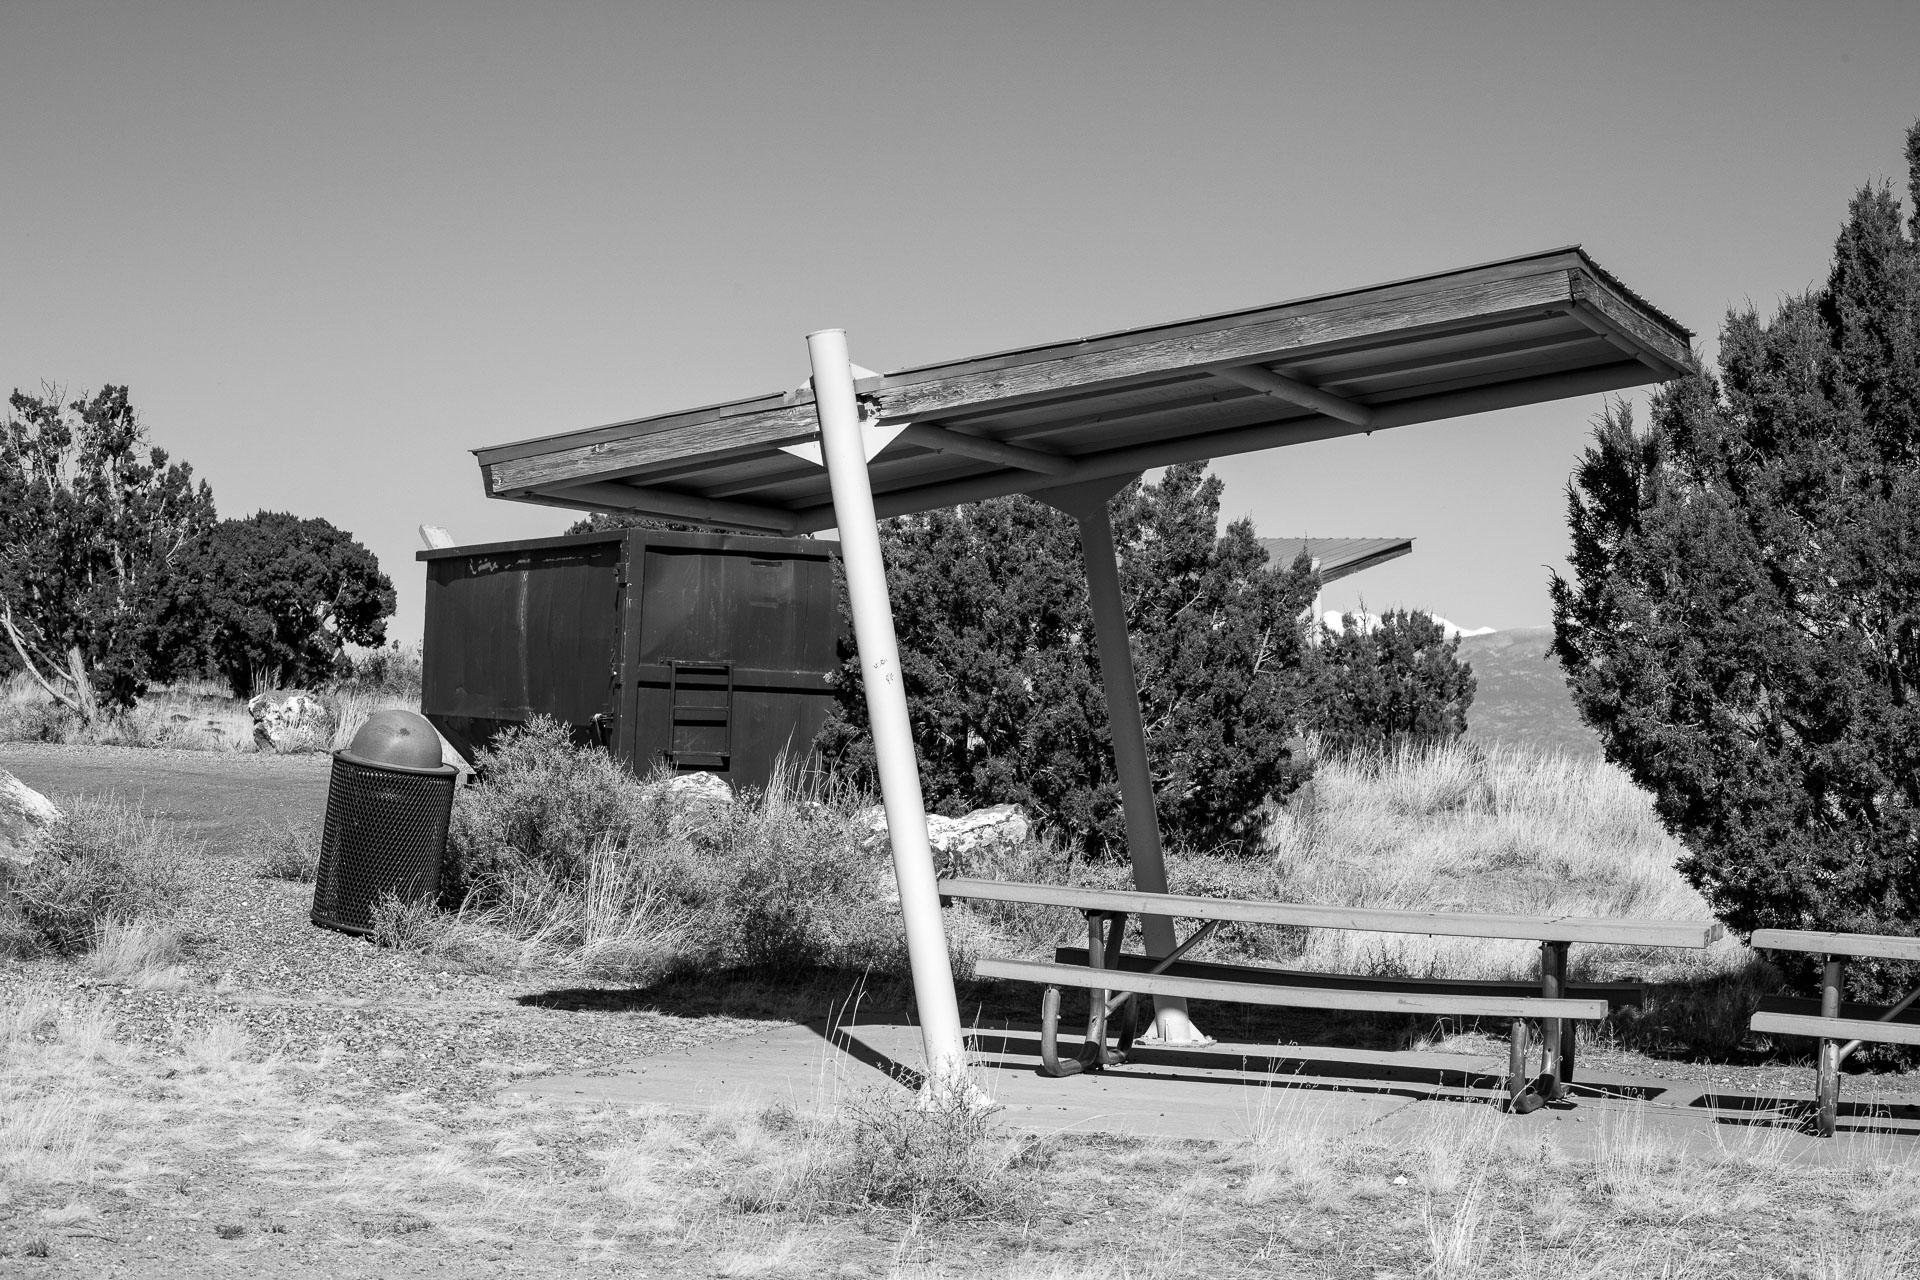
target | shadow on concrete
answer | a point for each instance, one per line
(1757, 1110)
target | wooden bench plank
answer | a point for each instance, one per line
(1653, 933)
(1898, 1031)
(1618, 995)
(1837, 944)
(1160, 984)
(1809, 1007)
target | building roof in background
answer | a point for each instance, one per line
(1515, 332)
(1335, 558)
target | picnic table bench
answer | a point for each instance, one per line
(1113, 979)
(1830, 1018)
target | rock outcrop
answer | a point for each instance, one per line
(25, 817)
(699, 788)
(956, 838)
(288, 720)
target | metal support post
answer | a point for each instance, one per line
(893, 750)
(1827, 1087)
(1087, 504)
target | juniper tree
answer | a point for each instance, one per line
(283, 594)
(1742, 624)
(1398, 684)
(97, 528)
(1003, 679)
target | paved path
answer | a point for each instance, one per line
(216, 795)
(1227, 1091)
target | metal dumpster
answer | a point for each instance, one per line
(700, 651)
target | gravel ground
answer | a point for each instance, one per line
(392, 1022)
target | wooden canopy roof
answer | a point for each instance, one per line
(1515, 332)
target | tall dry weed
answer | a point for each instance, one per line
(561, 850)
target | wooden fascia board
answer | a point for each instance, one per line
(635, 427)
(781, 424)
(1548, 262)
(1274, 339)
(1601, 307)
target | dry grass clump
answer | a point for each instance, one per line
(282, 849)
(1463, 827)
(560, 856)
(938, 1160)
(940, 1157)
(143, 953)
(105, 861)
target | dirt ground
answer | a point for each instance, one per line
(216, 796)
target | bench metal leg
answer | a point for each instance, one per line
(1520, 1096)
(1101, 942)
(1105, 930)
(1050, 1060)
(1827, 1092)
(1556, 1033)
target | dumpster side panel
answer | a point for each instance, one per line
(730, 658)
(514, 632)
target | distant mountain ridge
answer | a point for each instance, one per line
(1521, 698)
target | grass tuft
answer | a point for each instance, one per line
(143, 953)
(939, 1158)
(282, 849)
(104, 861)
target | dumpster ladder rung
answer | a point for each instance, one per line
(701, 702)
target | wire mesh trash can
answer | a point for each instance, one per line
(388, 803)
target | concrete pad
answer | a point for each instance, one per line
(1224, 1091)
(1230, 1091)
(1614, 1112)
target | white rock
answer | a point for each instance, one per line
(689, 788)
(289, 720)
(1003, 824)
(25, 815)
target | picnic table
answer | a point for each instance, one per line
(1114, 979)
(1830, 1019)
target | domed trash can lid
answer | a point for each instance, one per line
(397, 739)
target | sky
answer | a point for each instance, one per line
(333, 248)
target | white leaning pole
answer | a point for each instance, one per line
(845, 452)
(1087, 504)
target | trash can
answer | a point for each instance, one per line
(388, 803)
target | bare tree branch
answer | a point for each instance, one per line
(20, 646)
